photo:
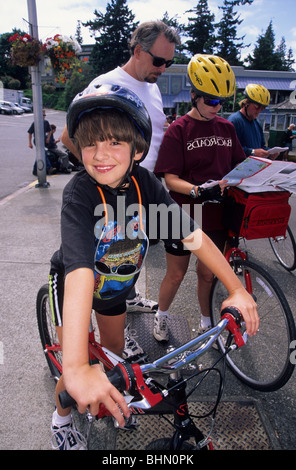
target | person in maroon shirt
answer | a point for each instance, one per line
(198, 149)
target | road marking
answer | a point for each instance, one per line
(16, 193)
(1, 353)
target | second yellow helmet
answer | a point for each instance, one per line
(258, 94)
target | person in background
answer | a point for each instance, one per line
(198, 149)
(47, 133)
(60, 156)
(168, 122)
(289, 136)
(247, 126)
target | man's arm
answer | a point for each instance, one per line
(69, 144)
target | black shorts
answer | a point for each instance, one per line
(56, 298)
(218, 237)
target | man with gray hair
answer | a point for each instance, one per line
(152, 48)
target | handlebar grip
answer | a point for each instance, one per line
(117, 377)
(121, 376)
(66, 400)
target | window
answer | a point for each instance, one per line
(163, 85)
(176, 85)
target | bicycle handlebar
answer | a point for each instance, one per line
(129, 377)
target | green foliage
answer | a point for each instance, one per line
(200, 29)
(115, 28)
(266, 57)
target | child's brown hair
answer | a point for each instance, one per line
(107, 124)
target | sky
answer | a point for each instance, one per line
(61, 16)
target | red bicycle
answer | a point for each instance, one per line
(142, 386)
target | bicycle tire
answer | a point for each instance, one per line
(264, 362)
(47, 331)
(284, 249)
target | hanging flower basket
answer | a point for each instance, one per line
(25, 51)
(62, 52)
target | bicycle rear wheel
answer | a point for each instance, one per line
(264, 362)
(47, 330)
(284, 248)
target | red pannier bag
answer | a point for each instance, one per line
(257, 215)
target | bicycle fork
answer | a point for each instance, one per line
(183, 423)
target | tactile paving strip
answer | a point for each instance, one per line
(238, 426)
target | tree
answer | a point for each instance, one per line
(264, 56)
(78, 35)
(285, 58)
(228, 46)
(115, 28)
(200, 29)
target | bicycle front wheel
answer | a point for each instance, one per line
(264, 362)
(284, 248)
(47, 331)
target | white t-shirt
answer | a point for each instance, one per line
(150, 95)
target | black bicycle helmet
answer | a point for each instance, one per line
(110, 96)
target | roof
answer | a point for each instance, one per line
(269, 83)
(284, 105)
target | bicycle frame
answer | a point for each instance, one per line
(171, 364)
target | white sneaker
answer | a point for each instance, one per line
(132, 350)
(139, 304)
(67, 437)
(160, 328)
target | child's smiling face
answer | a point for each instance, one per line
(108, 161)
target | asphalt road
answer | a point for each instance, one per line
(16, 158)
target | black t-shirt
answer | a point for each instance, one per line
(83, 220)
(46, 127)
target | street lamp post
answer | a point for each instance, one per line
(37, 100)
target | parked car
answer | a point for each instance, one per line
(15, 109)
(19, 109)
(26, 109)
(4, 109)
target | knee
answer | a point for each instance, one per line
(176, 277)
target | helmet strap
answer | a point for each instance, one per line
(194, 104)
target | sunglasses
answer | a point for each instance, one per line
(160, 61)
(124, 269)
(213, 102)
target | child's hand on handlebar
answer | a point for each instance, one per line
(245, 303)
(91, 387)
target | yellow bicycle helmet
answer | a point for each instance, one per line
(211, 75)
(258, 94)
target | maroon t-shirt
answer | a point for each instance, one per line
(198, 151)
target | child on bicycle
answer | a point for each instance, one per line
(105, 230)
